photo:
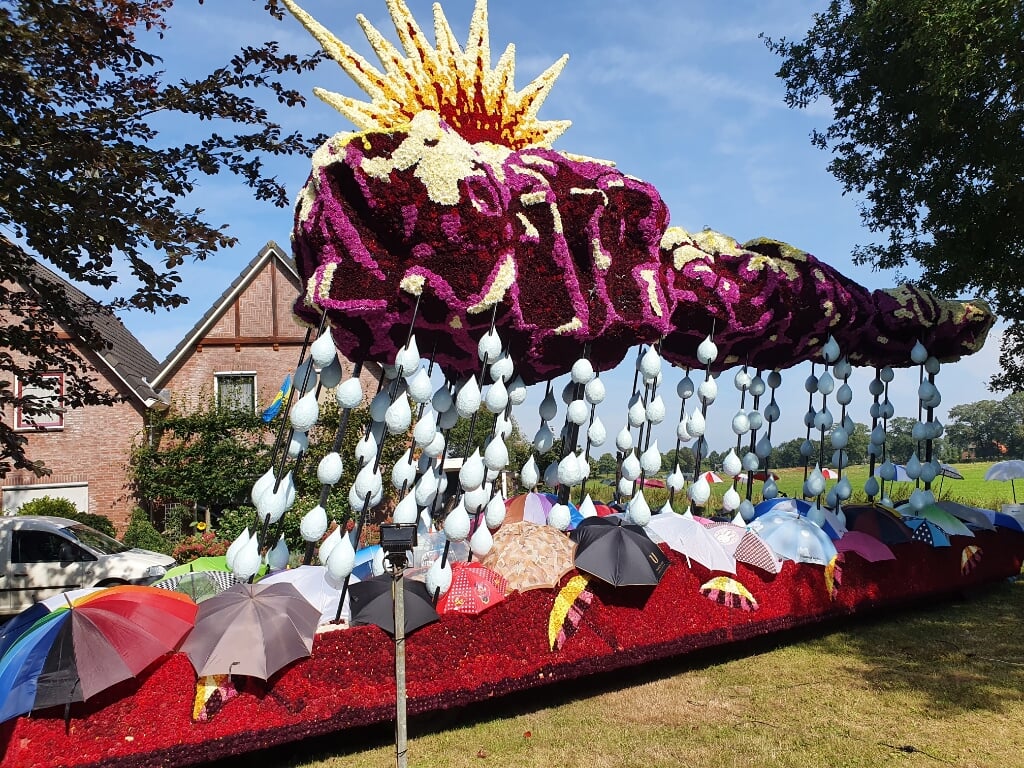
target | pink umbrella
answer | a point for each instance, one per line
(865, 545)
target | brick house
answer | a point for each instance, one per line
(86, 448)
(239, 352)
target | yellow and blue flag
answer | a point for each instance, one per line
(275, 405)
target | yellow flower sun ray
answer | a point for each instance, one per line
(478, 102)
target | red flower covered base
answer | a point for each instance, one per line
(349, 680)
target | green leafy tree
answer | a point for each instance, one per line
(91, 186)
(928, 126)
(990, 429)
(209, 457)
(899, 440)
(787, 454)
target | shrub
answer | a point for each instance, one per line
(232, 522)
(60, 507)
(143, 535)
(200, 545)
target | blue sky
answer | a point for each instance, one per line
(681, 94)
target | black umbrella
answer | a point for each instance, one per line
(372, 603)
(885, 525)
(616, 552)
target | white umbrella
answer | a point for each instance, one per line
(691, 539)
(315, 584)
(1007, 470)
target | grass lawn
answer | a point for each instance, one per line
(973, 490)
(938, 685)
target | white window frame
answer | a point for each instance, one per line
(251, 407)
(39, 424)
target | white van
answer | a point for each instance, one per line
(44, 556)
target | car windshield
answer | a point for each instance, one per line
(96, 540)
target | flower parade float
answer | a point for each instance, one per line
(449, 224)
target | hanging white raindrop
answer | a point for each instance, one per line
(481, 542)
(330, 468)
(398, 416)
(582, 371)
(529, 474)
(305, 412)
(502, 369)
(707, 351)
(517, 391)
(313, 524)
(488, 349)
(408, 358)
(656, 410)
(624, 440)
(559, 517)
(349, 393)
(650, 459)
(467, 401)
(323, 350)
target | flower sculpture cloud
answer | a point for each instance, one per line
(450, 206)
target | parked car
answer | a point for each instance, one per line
(44, 556)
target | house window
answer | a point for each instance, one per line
(236, 391)
(47, 411)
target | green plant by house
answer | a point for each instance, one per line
(61, 507)
(143, 535)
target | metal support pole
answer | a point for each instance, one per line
(401, 724)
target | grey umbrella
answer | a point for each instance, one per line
(251, 629)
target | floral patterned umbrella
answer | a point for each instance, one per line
(530, 556)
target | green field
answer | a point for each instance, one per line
(973, 490)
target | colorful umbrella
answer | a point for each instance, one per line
(730, 593)
(743, 544)
(618, 553)
(864, 545)
(474, 589)
(534, 507)
(950, 525)
(711, 477)
(530, 556)
(927, 531)
(251, 629)
(96, 641)
(969, 558)
(685, 535)
(567, 612)
(829, 474)
(24, 621)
